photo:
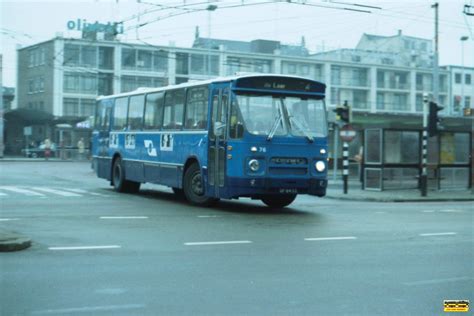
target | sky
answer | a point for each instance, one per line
(325, 24)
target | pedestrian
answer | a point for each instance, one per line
(81, 148)
(47, 148)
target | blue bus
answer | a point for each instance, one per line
(257, 136)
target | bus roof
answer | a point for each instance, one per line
(143, 90)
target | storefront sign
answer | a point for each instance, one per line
(83, 25)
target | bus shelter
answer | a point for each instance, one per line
(393, 160)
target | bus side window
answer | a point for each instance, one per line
(135, 112)
(196, 108)
(154, 110)
(236, 125)
(174, 109)
(120, 114)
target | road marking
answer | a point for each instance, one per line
(207, 216)
(8, 219)
(331, 238)
(85, 247)
(123, 217)
(438, 281)
(58, 192)
(20, 190)
(3, 194)
(85, 192)
(428, 211)
(206, 243)
(451, 211)
(88, 309)
(438, 234)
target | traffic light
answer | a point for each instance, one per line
(433, 119)
(343, 113)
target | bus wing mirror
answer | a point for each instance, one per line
(219, 128)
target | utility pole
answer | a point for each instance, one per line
(424, 150)
(436, 58)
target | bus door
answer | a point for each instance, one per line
(218, 139)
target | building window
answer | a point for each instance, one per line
(130, 83)
(457, 103)
(31, 86)
(457, 78)
(71, 107)
(128, 58)
(467, 102)
(160, 61)
(41, 84)
(360, 99)
(467, 79)
(106, 57)
(356, 58)
(144, 58)
(71, 54)
(291, 69)
(182, 62)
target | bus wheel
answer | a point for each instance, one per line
(278, 201)
(193, 187)
(120, 183)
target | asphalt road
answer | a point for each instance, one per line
(97, 252)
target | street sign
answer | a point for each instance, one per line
(347, 133)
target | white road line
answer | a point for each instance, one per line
(438, 234)
(57, 192)
(84, 192)
(451, 211)
(3, 194)
(330, 238)
(8, 219)
(20, 190)
(428, 211)
(88, 309)
(123, 217)
(207, 243)
(438, 281)
(85, 247)
(207, 216)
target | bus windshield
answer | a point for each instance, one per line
(280, 115)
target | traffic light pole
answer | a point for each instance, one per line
(424, 175)
(345, 165)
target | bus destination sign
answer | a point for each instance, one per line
(280, 83)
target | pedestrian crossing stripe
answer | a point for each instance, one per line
(43, 192)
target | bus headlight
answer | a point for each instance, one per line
(254, 165)
(320, 166)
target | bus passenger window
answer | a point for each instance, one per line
(120, 114)
(154, 110)
(174, 108)
(196, 108)
(135, 112)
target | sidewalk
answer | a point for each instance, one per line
(355, 193)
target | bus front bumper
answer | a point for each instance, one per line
(249, 187)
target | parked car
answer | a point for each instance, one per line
(38, 152)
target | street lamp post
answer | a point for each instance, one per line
(463, 39)
(210, 8)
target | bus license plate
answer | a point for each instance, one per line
(288, 191)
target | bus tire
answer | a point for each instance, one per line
(120, 183)
(278, 201)
(193, 187)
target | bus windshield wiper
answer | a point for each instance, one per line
(274, 128)
(300, 127)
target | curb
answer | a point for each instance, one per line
(374, 199)
(13, 242)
